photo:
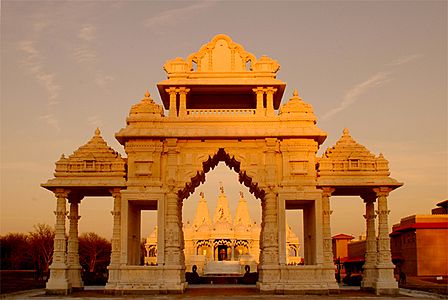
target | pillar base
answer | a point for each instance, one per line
(146, 280)
(58, 292)
(296, 280)
(58, 283)
(74, 277)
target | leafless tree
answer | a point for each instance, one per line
(94, 252)
(41, 247)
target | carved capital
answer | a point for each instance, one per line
(368, 197)
(171, 90)
(115, 192)
(61, 193)
(327, 191)
(183, 90)
(75, 198)
(270, 90)
(258, 90)
(382, 191)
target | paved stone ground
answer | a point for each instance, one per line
(221, 292)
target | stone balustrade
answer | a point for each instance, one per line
(220, 112)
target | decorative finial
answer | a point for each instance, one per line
(221, 187)
(346, 132)
(97, 132)
(201, 194)
(147, 94)
(241, 194)
(62, 156)
(381, 155)
(295, 93)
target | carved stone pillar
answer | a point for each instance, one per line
(173, 102)
(269, 230)
(328, 264)
(385, 283)
(270, 91)
(369, 273)
(173, 249)
(212, 246)
(58, 282)
(232, 255)
(183, 101)
(115, 256)
(74, 267)
(326, 228)
(259, 91)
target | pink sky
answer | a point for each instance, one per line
(378, 68)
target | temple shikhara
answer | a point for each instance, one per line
(222, 104)
(222, 245)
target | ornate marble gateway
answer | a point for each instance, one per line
(223, 104)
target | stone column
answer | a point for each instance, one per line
(328, 264)
(173, 235)
(326, 228)
(212, 246)
(385, 283)
(232, 255)
(115, 256)
(269, 267)
(74, 267)
(259, 91)
(369, 274)
(269, 231)
(270, 91)
(183, 101)
(58, 282)
(173, 102)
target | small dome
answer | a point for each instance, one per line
(296, 105)
(147, 106)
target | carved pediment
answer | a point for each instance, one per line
(95, 158)
(220, 55)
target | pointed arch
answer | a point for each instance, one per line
(205, 163)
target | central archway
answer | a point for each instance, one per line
(210, 162)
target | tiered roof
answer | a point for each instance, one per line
(94, 165)
(349, 163)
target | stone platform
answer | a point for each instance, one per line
(223, 268)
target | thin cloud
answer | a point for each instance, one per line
(354, 93)
(404, 60)
(87, 33)
(377, 79)
(102, 80)
(84, 55)
(33, 63)
(176, 15)
(95, 121)
(51, 120)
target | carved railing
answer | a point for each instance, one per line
(220, 112)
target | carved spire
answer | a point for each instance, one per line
(202, 215)
(222, 210)
(242, 216)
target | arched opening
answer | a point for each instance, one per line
(348, 240)
(221, 220)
